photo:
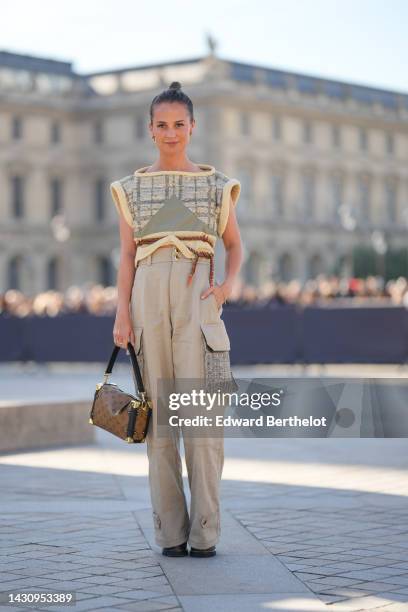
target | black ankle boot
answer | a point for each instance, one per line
(203, 552)
(176, 551)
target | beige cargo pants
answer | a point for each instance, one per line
(180, 335)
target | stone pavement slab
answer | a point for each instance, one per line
(278, 602)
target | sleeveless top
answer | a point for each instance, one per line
(188, 210)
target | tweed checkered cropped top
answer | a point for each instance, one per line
(188, 210)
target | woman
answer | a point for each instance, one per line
(171, 214)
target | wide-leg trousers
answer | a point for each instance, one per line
(179, 335)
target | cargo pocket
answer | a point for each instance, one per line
(216, 349)
(138, 331)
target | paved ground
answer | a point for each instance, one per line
(307, 525)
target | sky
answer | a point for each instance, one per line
(358, 41)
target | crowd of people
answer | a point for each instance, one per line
(320, 291)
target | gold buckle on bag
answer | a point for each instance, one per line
(138, 405)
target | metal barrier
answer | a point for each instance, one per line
(274, 334)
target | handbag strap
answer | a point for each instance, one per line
(135, 364)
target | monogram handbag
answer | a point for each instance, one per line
(122, 414)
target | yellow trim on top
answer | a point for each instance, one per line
(230, 195)
(208, 170)
(120, 200)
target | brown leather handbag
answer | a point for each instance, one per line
(122, 414)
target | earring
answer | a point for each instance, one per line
(153, 138)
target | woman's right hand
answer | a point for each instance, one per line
(123, 330)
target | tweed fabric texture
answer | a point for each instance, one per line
(216, 351)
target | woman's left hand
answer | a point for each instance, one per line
(218, 292)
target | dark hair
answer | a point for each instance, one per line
(172, 94)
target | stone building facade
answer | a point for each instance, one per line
(322, 164)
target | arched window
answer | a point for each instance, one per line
(316, 265)
(105, 271)
(390, 209)
(17, 196)
(56, 196)
(364, 198)
(53, 273)
(14, 272)
(99, 195)
(308, 195)
(337, 196)
(277, 196)
(253, 269)
(285, 267)
(245, 176)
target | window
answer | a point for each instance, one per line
(246, 180)
(17, 196)
(55, 132)
(98, 132)
(362, 94)
(105, 271)
(243, 72)
(307, 132)
(14, 272)
(336, 136)
(140, 128)
(52, 274)
(276, 128)
(286, 267)
(390, 202)
(16, 128)
(316, 265)
(100, 199)
(308, 188)
(277, 202)
(364, 199)
(363, 139)
(389, 143)
(56, 196)
(307, 85)
(275, 79)
(337, 189)
(244, 123)
(333, 89)
(387, 99)
(253, 268)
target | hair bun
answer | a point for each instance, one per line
(175, 85)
